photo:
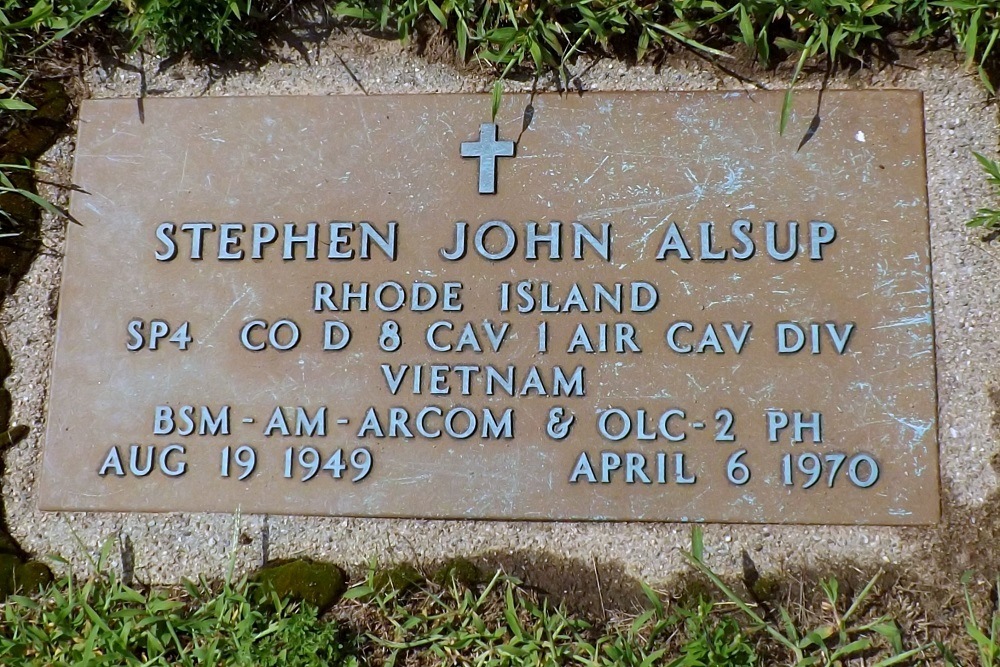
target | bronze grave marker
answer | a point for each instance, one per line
(645, 306)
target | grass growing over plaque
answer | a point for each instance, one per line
(459, 617)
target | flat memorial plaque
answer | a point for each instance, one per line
(643, 306)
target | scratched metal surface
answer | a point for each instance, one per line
(638, 161)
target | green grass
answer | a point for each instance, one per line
(103, 622)
(499, 622)
(840, 636)
(988, 218)
(984, 633)
(531, 35)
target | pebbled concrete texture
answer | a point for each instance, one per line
(560, 557)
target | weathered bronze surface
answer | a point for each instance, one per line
(841, 431)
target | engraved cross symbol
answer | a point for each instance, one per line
(487, 149)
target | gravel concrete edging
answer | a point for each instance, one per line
(561, 557)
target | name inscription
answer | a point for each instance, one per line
(718, 328)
